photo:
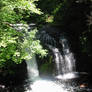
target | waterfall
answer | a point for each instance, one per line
(59, 60)
(65, 61)
(65, 67)
(68, 56)
(32, 69)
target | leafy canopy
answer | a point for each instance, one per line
(17, 45)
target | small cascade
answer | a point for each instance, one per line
(32, 69)
(68, 56)
(59, 60)
(65, 61)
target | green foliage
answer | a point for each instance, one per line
(31, 45)
(15, 46)
(14, 11)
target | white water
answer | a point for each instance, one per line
(40, 85)
(68, 56)
(32, 69)
(65, 61)
(46, 86)
(59, 60)
(65, 66)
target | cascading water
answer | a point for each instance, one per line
(66, 61)
(32, 69)
(68, 56)
(40, 85)
(58, 60)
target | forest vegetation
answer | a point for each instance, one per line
(73, 17)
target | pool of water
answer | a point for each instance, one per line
(52, 84)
